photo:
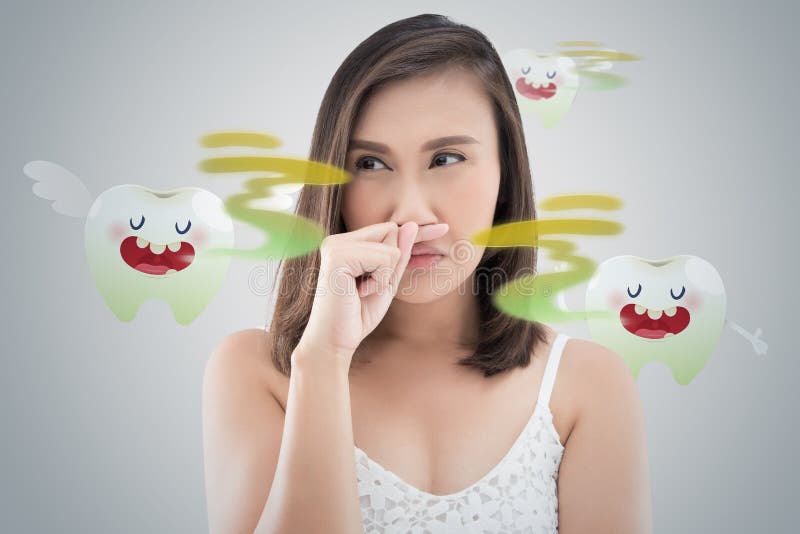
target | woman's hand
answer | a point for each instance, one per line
(348, 305)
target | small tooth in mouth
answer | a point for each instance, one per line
(671, 311)
(170, 271)
(142, 243)
(157, 249)
(654, 314)
(174, 247)
(669, 334)
(639, 309)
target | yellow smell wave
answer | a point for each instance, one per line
(590, 61)
(286, 235)
(533, 297)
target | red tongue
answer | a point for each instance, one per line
(650, 334)
(152, 269)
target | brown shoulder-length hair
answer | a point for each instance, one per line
(401, 50)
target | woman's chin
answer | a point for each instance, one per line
(423, 289)
(418, 297)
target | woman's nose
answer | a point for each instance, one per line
(412, 202)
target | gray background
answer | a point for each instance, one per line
(101, 422)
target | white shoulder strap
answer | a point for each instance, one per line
(549, 377)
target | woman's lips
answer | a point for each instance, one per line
(423, 261)
(421, 248)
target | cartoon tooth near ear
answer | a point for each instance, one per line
(143, 243)
(670, 310)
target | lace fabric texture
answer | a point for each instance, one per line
(518, 496)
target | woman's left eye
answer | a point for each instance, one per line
(443, 157)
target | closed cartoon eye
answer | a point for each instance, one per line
(631, 295)
(551, 76)
(683, 290)
(526, 70)
(188, 225)
(136, 227)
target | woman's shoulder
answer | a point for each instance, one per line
(243, 347)
(244, 358)
(587, 360)
(584, 362)
(594, 380)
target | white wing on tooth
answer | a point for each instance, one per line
(53, 182)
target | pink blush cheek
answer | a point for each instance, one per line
(197, 239)
(615, 301)
(693, 302)
(117, 232)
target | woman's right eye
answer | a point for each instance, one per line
(360, 164)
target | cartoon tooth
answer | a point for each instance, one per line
(544, 84)
(687, 289)
(143, 243)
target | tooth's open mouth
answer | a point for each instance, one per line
(150, 258)
(535, 92)
(654, 324)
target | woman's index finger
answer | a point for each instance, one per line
(372, 232)
(431, 231)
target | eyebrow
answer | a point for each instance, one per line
(433, 144)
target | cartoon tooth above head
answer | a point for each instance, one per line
(544, 84)
(143, 243)
(670, 310)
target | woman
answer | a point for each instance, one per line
(389, 395)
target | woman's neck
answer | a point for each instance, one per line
(450, 321)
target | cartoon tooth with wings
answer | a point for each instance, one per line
(143, 243)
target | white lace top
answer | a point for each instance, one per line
(519, 495)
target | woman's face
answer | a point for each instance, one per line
(404, 170)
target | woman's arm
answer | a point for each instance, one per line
(242, 428)
(603, 481)
(270, 472)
